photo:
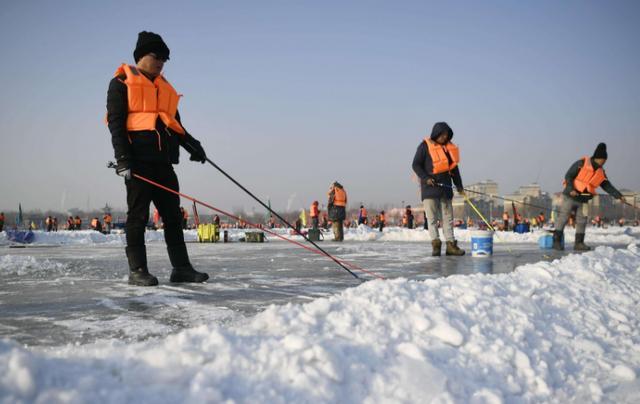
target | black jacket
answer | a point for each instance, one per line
(423, 167)
(156, 147)
(571, 175)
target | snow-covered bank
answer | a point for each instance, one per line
(565, 331)
(613, 235)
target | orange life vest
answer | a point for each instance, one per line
(363, 212)
(589, 179)
(439, 158)
(314, 210)
(382, 217)
(149, 99)
(339, 197)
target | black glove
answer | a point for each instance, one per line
(195, 149)
(123, 169)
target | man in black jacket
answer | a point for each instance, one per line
(436, 184)
(146, 133)
(587, 174)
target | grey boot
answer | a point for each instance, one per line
(453, 249)
(557, 240)
(436, 247)
(579, 244)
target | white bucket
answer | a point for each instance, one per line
(481, 243)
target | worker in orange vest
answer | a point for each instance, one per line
(185, 218)
(582, 180)
(436, 164)
(146, 134)
(362, 215)
(337, 207)
(156, 218)
(382, 221)
(314, 214)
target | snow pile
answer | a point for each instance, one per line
(622, 236)
(27, 265)
(561, 331)
(614, 235)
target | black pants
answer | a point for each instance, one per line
(140, 194)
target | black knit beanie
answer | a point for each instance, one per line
(601, 152)
(148, 42)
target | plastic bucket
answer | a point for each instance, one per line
(546, 241)
(481, 243)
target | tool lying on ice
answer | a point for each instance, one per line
(344, 264)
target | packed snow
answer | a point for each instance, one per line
(613, 235)
(559, 331)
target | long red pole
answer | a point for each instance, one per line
(194, 200)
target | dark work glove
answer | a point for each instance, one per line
(123, 169)
(195, 149)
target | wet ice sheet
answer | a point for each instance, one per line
(561, 331)
(52, 295)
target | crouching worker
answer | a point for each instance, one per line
(146, 133)
(436, 164)
(580, 185)
(337, 207)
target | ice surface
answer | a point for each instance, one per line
(562, 330)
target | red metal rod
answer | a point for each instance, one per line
(194, 200)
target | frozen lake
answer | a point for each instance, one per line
(78, 293)
(276, 323)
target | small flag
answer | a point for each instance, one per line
(303, 218)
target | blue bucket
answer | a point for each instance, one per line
(521, 228)
(482, 243)
(545, 242)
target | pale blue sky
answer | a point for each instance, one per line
(289, 96)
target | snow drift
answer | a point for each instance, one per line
(564, 331)
(614, 235)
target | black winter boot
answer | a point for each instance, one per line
(453, 249)
(142, 277)
(436, 247)
(557, 240)
(187, 274)
(579, 244)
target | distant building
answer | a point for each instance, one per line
(530, 200)
(480, 195)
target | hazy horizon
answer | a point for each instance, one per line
(290, 96)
